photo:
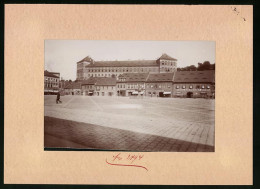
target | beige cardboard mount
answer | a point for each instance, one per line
(26, 28)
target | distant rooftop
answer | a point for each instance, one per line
(73, 85)
(50, 74)
(100, 81)
(133, 77)
(90, 81)
(125, 63)
(206, 76)
(86, 59)
(160, 77)
(105, 81)
(166, 57)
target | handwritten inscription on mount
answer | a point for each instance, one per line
(128, 160)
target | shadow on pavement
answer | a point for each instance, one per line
(65, 134)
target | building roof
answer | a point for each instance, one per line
(125, 63)
(166, 57)
(101, 81)
(90, 81)
(207, 76)
(50, 74)
(73, 85)
(160, 77)
(134, 77)
(87, 59)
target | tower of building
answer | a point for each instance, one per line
(81, 68)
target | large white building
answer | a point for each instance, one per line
(87, 67)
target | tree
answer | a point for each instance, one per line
(201, 67)
(212, 66)
(204, 66)
(191, 68)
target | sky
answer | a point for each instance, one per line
(62, 55)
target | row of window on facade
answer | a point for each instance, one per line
(52, 79)
(87, 86)
(103, 93)
(191, 87)
(51, 82)
(102, 75)
(123, 70)
(97, 87)
(136, 86)
(158, 85)
(50, 85)
(131, 86)
(167, 69)
(168, 63)
(104, 87)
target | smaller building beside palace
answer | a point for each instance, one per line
(159, 85)
(131, 84)
(191, 84)
(51, 82)
(194, 84)
(73, 88)
(99, 86)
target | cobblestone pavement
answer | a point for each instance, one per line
(185, 121)
(64, 133)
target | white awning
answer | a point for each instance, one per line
(135, 92)
(166, 92)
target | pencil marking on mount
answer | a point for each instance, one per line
(234, 9)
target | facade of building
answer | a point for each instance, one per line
(99, 86)
(131, 84)
(105, 87)
(87, 67)
(191, 84)
(159, 85)
(194, 84)
(88, 86)
(152, 78)
(51, 82)
(73, 88)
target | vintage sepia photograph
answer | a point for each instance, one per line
(145, 96)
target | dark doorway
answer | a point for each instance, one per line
(189, 94)
(123, 93)
(161, 94)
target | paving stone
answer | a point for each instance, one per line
(171, 129)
